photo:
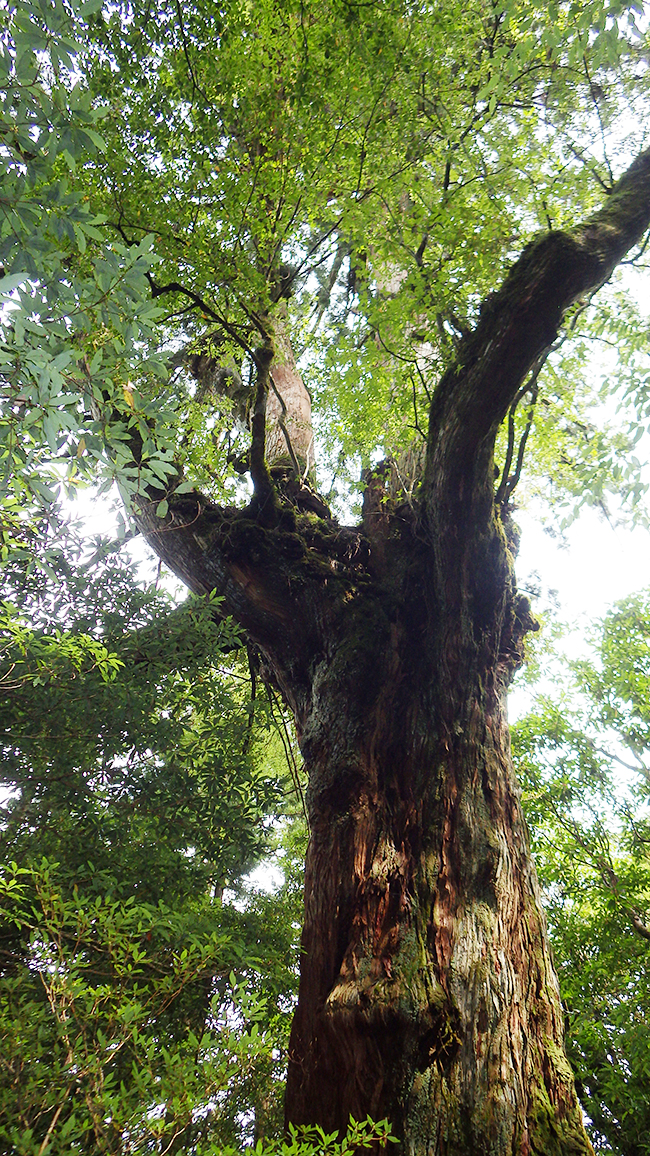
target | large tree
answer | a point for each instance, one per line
(366, 174)
(427, 990)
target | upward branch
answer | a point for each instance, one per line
(519, 322)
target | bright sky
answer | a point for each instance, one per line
(599, 564)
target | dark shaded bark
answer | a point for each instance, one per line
(427, 992)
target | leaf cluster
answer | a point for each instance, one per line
(76, 308)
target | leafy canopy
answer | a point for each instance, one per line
(380, 164)
(168, 175)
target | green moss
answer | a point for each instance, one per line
(550, 1135)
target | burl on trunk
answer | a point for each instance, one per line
(427, 993)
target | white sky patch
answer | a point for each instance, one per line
(269, 876)
(595, 565)
(581, 577)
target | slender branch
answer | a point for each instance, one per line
(509, 481)
(415, 411)
(593, 92)
(53, 1123)
(195, 84)
(601, 862)
(252, 670)
(264, 497)
(633, 260)
(513, 480)
(580, 156)
(325, 293)
(251, 193)
(639, 925)
(639, 766)
(285, 739)
(510, 448)
(198, 301)
(447, 175)
(423, 382)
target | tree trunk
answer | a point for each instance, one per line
(427, 993)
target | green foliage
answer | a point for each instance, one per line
(76, 308)
(583, 762)
(145, 989)
(392, 158)
(380, 163)
(315, 1142)
(118, 1039)
(109, 1026)
(68, 718)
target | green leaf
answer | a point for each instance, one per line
(7, 284)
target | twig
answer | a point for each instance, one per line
(176, 287)
(195, 84)
(53, 1122)
(509, 481)
(415, 411)
(250, 652)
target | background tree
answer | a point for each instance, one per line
(582, 759)
(364, 177)
(139, 1011)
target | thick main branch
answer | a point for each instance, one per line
(519, 322)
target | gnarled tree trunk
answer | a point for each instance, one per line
(427, 992)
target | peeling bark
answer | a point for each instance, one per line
(427, 991)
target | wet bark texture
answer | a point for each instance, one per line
(427, 992)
